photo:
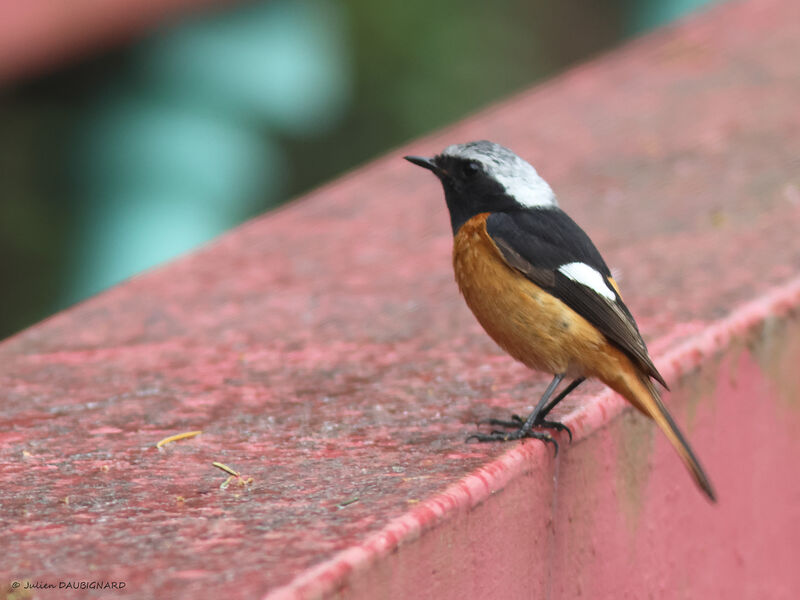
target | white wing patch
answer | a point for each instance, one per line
(591, 278)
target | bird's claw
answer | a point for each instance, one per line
(557, 426)
(514, 422)
(507, 436)
(517, 422)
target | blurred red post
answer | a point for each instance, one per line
(327, 358)
(37, 34)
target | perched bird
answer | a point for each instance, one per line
(542, 291)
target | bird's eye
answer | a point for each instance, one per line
(470, 169)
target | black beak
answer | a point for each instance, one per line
(425, 163)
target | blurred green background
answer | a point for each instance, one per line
(124, 160)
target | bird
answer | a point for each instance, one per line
(540, 288)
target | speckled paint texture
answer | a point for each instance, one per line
(324, 352)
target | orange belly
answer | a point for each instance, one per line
(533, 326)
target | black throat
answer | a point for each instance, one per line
(463, 205)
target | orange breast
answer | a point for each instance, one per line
(533, 326)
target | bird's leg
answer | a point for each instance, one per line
(526, 430)
(542, 422)
(516, 421)
(537, 413)
(566, 392)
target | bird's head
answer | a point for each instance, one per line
(486, 177)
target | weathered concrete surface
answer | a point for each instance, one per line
(324, 352)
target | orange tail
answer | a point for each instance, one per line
(642, 393)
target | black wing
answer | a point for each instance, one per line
(537, 242)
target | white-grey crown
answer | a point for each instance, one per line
(517, 176)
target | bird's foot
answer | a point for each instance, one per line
(520, 433)
(516, 422)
